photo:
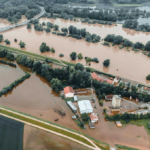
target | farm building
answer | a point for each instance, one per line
(93, 117)
(75, 98)
(68, 92)
(108, 97)
(85, 106)
(71, 105)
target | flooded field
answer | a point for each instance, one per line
(36, 139)
(131, 65)
(35, 96)
(8, 75)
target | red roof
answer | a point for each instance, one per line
(95, 76)
(68, 89)
(93, 117)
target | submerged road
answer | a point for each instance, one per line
(23, 23)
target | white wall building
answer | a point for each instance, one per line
(85, 106)
(68, 92)
(116, 101)
(71, 105)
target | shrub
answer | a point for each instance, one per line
(109, 38)
(61, 55)
(101, 102)
(52, 50)
(118, 39)
(15, 40)
(148, 77)
(106, 62)
(73, 55)
(147, 46)
(80, 56)
(148, 125)
(96, 60)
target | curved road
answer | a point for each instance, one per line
(23, 23)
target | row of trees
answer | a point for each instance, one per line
(118, 39)
(7, 63)
(127, 117)
(133, 24)
(5, 53)
(7, 89)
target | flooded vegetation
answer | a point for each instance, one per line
(121, 61)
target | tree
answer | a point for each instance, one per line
(15, 40)
(109, 38)
(88, 59)
(56, 27)
(138, 45)
(80, 56)
(96, 60)
(73, 55)
(28, 25)
(52, 50)
(1, 37)
(85, 117)
(148, 77)
(106, 63)
(148, 125)
(147, 46)
(44, 48)
(101, 102)
(61, 55)
(7, 41)
(56, 85)
(43, 24)
(104, 110)
(79, 66)
(127, 43)
(118, 39)
(22, 44)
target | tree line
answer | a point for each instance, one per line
(7, 89)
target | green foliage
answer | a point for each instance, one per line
(85, 117)
(61, 55)
(43, 24)
(148, 77)
(15, 40)
(132, 24)
(22, 44)
(106, 43)
(148, 125)
(73, 55)
(7, 41)
(56, 85)
(125, 147)
(106, 63)
(127, 43)
(104, 110)
(147, 47)
(47, 30)
(10, 56)
(7, 63)
(28, 25)
(44, 48)
(64, 30)
(95, 60)
(79, 66)
(1, 37)
(101, 102)
(109, 38)
(80, 56)
(138, 45)
(56, 27)
(38, 27)
(118, 39)
(52, 50)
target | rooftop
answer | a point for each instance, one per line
(68, 89)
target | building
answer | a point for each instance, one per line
(91, 125)
(85, 106)
(101, 78)
(75, 98)
(108, 97)
(145, 90)
(68, 92)
(93, 117)
(71, 105)
(116, 102)
(119, 124)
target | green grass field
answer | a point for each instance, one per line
(11, 134)
(121, 147)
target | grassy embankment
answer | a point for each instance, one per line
(121, 147)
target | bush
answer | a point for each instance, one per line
(61, 55)
(52, 50)
(148, 125)
(15, 40)
(96, 60)
(101, 102)
(147, 46)
(127, 43)
(44, 48)
(138, 45)
(106, 63)
(28, 25)
(106, 43)
(118, 39)
(7, 41)
(73, 55)
(109, 38)
(85, 117)
(148, 77)
(79, 66)
(80, 56)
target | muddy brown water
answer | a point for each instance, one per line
(35, 139)
(35, 97)
(131, 65)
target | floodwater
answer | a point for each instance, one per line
(131, 65)
(36, 139)
(35, 97)
(8, 75)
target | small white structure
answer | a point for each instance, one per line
(71, 105)
(85, 106)
(93, 117)
(116, 102)
(68, 92)
(75, 98)
(91, 125)
(116, 80)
